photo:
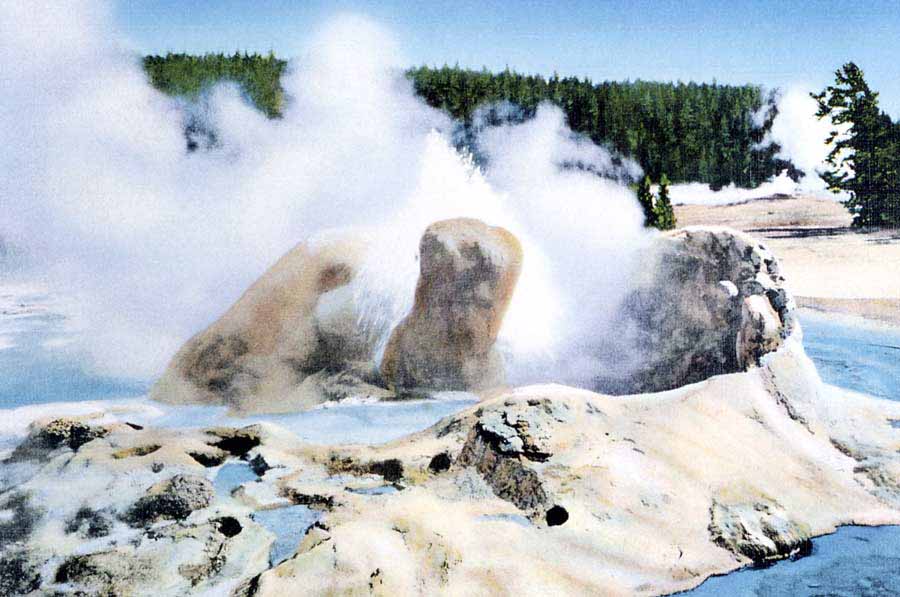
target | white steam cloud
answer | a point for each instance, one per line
(154, 242)
(802, 138)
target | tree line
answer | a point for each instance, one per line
(685, 132)
(691, 132)
(188, 76)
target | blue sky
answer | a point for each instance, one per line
(766, 41)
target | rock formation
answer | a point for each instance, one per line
(710, 301)
(468, 272)
(294, 339)
(279, 346)
(545, 489)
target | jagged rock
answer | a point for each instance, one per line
(759, 332)
(275, 349)
(504, 439)
(57, 433)
(759, 530)
(20, 573)
(710, 301)
(468, 271)
(173, 499)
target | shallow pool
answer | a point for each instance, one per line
(860, 356)
(853, 562)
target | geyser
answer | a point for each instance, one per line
(153, 242)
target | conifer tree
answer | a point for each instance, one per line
(645, 199)
(663, 211)
(865, 151)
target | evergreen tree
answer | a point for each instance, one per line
(663, 210)
(645, 199)
(865, 149)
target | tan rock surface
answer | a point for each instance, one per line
(468, 272)
(271, 351)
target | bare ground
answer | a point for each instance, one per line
(828, 265)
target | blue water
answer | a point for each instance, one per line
(865, 358)
(853, 562)
(231, 476)
(289, 526)
(34, 365)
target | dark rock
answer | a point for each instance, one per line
(209, 458)
(19, 573)
(440, 462)
(89, 523)
(25, 517)
(391, 469)
(58, 433)
(173, 499)
(313, 500)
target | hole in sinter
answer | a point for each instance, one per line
(237, 444)
(228, 526)
(556, 516)
(440, 463)
(391, 470)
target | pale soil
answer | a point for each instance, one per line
(829, 266)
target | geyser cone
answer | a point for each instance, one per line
(468, 271)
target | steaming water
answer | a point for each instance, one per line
(39, 377)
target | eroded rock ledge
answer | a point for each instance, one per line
(546, 489)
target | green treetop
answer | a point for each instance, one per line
(645, 199)
(865, 149)
(663, 211)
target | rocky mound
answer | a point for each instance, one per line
(295, 340)
(468, 272)
(292, 340)
(546, 489)
(710, 301)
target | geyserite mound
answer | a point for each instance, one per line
(468, 272)
(710, 301)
